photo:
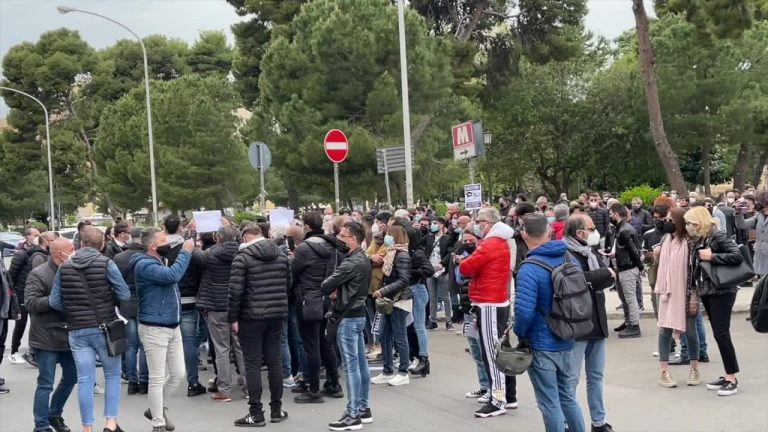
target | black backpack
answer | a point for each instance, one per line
(571, 315)
(758, 310)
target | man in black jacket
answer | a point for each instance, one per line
(314, 260)
(625, 249)
(258, 307)
(213, 301)
(121, 237)
(49, 337)
(135, 365)
(582, 239)
(348, 286)
(598, 214)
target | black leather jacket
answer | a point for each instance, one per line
(398, 280)
(725, 251)
(628, 246)
(352, 279)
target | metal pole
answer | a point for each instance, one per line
(152, 179)
(471, 164)
(336, 183)
(386, 176)
(53, 221)
(490, 180)
(406, 109)
(263, 192)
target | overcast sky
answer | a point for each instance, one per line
(26, 20)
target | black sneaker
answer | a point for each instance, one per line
(604, 428)
(680, 361)
(300, 388)
(195, 390)
(169, 426)
(4, 389)
(366, 416)
(133, 388)
(622, 327)
(717, 384)
(632, 331)
(431, 326)
(277, 415)
(143, 388)
(489, 410)
(251, 420)
(309, 397)
(728, 389)
(346, 423)
(30, 358)
(57, 423)
(333, 391)
(703, 359)
(448, 325)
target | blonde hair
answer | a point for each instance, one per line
(700, 216)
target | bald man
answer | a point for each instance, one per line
(49, 338)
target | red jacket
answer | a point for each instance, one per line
(489, 267)
(558, 230)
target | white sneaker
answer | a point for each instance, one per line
(511, 405)
(289, 383)
(413, 364)
(484, 399)
(98, 389)
(400, 379)
(655, 354)
(382, 378)
(474, 394)
(16, 359)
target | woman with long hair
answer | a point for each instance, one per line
(396, 287)
(678, 304)
(709, 244)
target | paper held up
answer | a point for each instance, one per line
(281, 217)
(207, 221)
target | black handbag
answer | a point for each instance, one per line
(114, 331)
(724, 277)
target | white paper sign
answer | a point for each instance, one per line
(281, 217)
(207, 221)
(473, 197)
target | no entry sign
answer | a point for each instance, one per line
(336, 146)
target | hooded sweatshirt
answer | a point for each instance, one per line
(490, 269)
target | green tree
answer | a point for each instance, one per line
(211, 54)
(200, 161)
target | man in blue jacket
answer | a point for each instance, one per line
(159, 317)
(552, 371)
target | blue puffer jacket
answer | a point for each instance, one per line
(158, 289)
(533, 299)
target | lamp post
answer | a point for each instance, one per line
(53, 224)
(487, 138)
(65, 10)
(406, 109)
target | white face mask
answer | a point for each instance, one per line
(691, 231)
(593, 239)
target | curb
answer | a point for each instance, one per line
(646, 314)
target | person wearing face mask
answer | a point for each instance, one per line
(598, 214)
(557, 222)
(542, 204)
(709, 244)
(454, 242)
(121, 236)
(716, 213)
(48, 336)
(376, 253)
(490, 269)
(583, 240)
(212, 300)
(641, 219)
(629, 263)
(651, 239)
(88, 288)
(439, 256)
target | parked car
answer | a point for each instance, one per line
(8, 241)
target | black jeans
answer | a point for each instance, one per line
(18, 331)
(719, 308)
(3, 336)
(318, 349)
(262, 338)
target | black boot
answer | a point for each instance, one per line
(422, 368)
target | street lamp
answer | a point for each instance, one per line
(65, 10)
(487, 139)
(406, 109)
(48, 144)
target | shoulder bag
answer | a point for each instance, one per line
(724, 277)
(114, 331)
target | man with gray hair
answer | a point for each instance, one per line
(213, 299)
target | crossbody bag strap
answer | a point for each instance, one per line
(90, 297)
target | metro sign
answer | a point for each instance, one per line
(464, 146)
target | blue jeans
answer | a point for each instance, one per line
(86, 344)
(593, 352)
(393, 334)
(702, 332)
(285, 351)
(190, 340)
(47, 406)
(554, 384)
(351, 340)
(420, 301)
(477, 356)
(135, 358)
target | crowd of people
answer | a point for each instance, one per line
(338, 292)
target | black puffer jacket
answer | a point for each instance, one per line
(22, 263)
(214, 286)
(398, 281)
(601, 218)
(315, 259)
(258, 287)
(48, 328)
(79, 300)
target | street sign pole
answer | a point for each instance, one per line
(406, 110)
(263, 186)
(471, 164)
(336, 184)
(386, 176)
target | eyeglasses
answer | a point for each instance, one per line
(482, 221)
(346, 236)
(590, 229)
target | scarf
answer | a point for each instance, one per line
(389, 258)
(673, 266)
(587, 252)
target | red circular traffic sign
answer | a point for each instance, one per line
(336, 146)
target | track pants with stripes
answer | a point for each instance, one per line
(491, 323)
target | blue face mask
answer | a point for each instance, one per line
(433, 228)
(477, 231)
(417, 218)
(550, 219)
(389, 240)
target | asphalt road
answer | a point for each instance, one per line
(635, 401)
